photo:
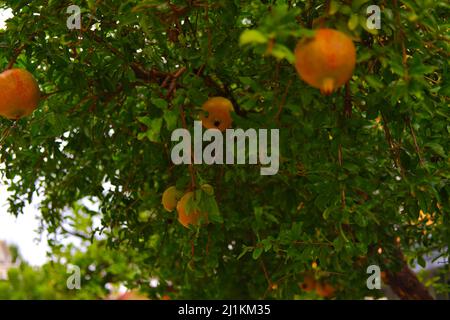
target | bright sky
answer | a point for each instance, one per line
(4, 14)
(21, 230)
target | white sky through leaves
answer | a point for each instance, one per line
(21, 230)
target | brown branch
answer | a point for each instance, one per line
(392, 146)
(347, 101)
(75, 233)
(80, 103)
(173, 83)
(404, 283)
(165, 82)
(340, 158)
(15, 56)
(266, 275)
(283, 102)
(327, 7)
(341, 162)
(191, 165)
(48, 95)
(151, 75)
(7, 132)
(192, 249)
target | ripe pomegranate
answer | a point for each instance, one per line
(327, 60)
(217, 113)
(189, 218)
(19, 93)
(324, 290)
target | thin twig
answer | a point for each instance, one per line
(16, 55)
(392, 145)
(402, 39)
(266, 275)
(283, 101)
(191, 165)
(173, 83)
(416, 145)
(7, 132)
(313, 243)
(348, 101)
(76, 233)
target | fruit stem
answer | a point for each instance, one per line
(327, 86)
(13, 60)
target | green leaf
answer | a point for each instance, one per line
(374, 82)
(343, 233)
(160, 103)
(257, 253)
(281, 52)
(267, 244)
(356, 4)
(209, 205)
(421, 261)
(171, 119)
(322, 201)
(145, 120)
(154, 129)
(334, 7)
(437, 148)
(421, 70)
(252, 37)
(353, 22)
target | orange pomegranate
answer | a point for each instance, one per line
(327, 60)
(189, 218)
(308, 284)
(217, 113)
(324, 290)
(19, 94)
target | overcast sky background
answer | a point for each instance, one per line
(21, 230)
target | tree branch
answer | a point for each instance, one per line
(16, 55)
(392, 146)
(76, 234)
(416, 145)
(405, 284)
